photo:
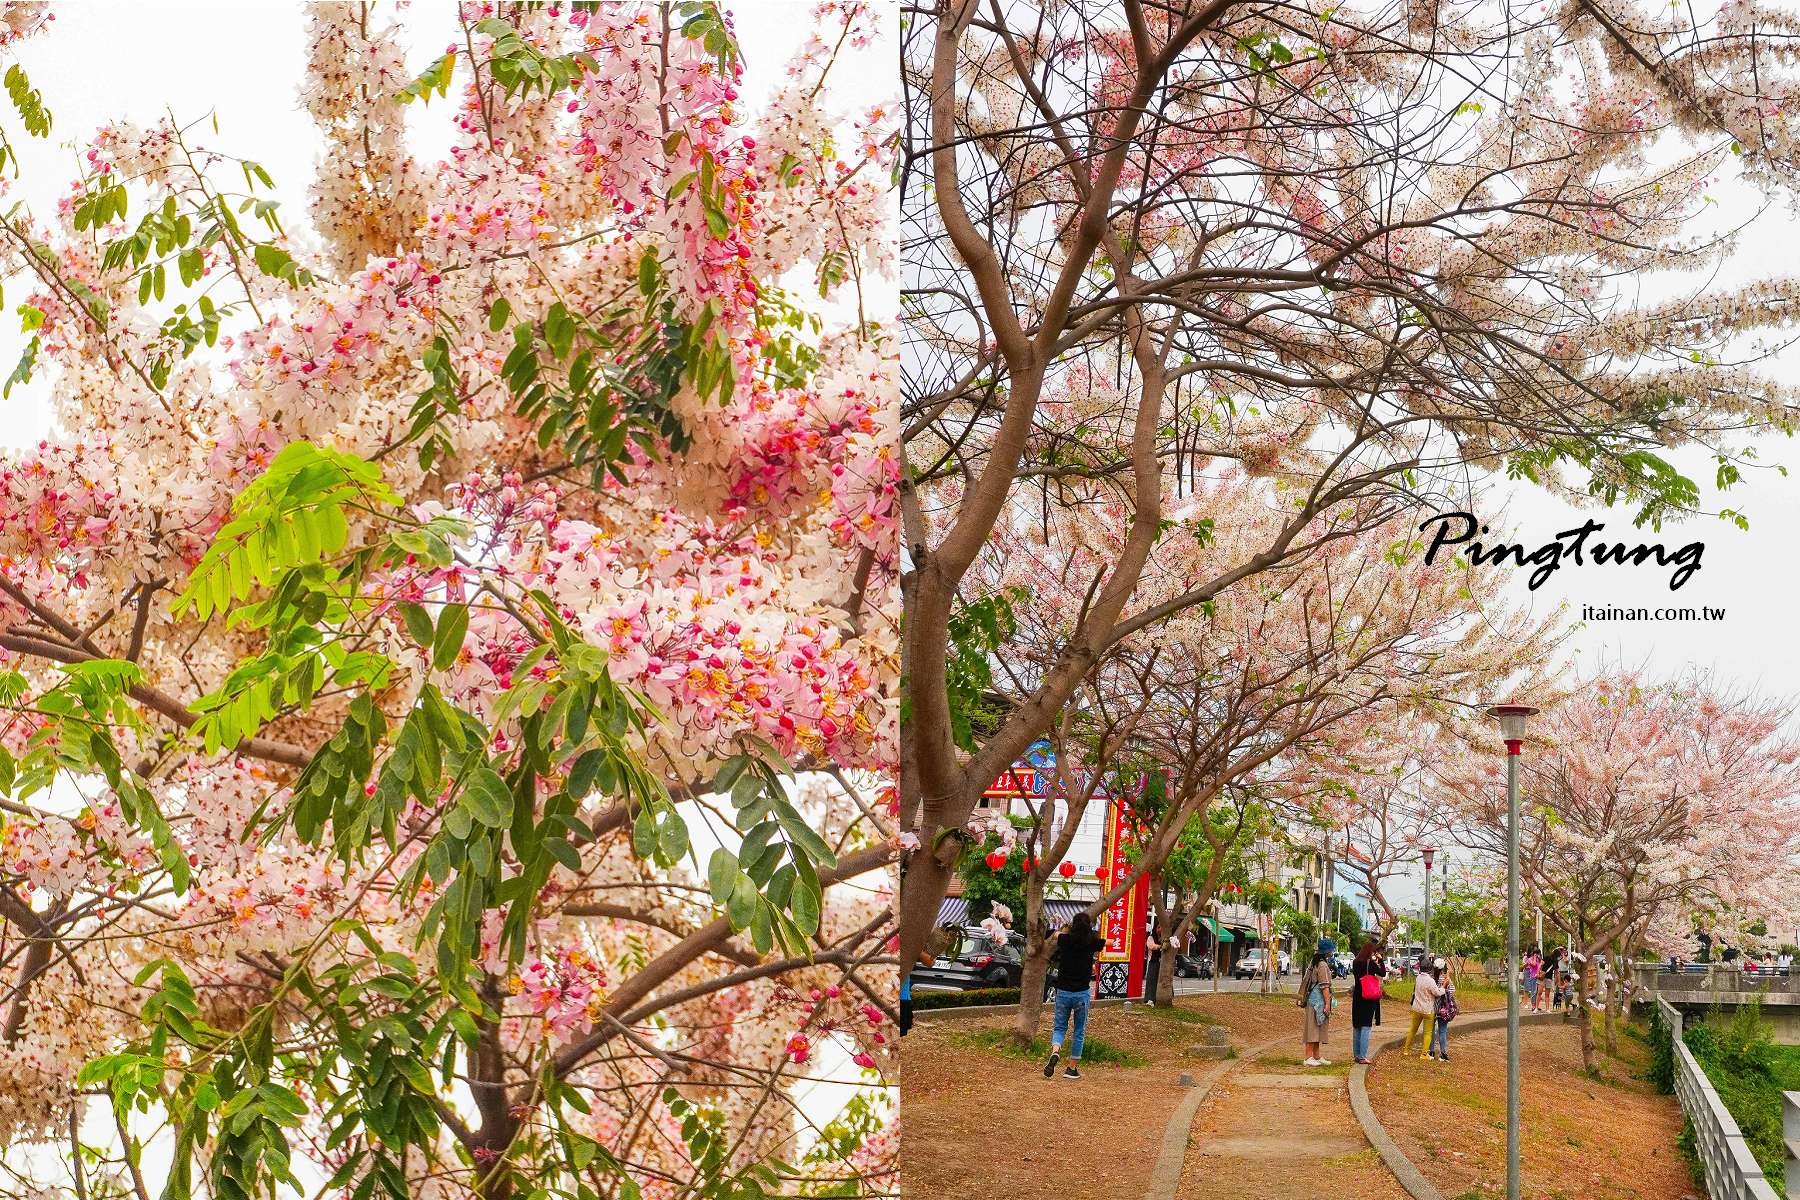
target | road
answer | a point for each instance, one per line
(1286, 983)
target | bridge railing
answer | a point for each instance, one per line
(1731, 1170)
(1656, 977)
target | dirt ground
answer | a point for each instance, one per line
(981, 1125)
(1582, 1139)
(984, 1126)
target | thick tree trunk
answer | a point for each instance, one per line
(1588, 1059)
(1615, 997)
(1037, 963)
(922, 891)
(1165, 937)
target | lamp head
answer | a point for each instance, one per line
(1512, 719)
(1428, 851)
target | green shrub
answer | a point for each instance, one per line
(973, 998)
(1662, 1053)
(1690, 1152)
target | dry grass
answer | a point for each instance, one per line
(1606, 1138)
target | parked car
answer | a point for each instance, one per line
(1193, 966)
(1255, 962)
(975, 962)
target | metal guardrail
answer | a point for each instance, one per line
(1790, 1131)
(1731, 1170)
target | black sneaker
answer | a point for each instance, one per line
(1443, 1058)
(1050, 1067)
(1070, 1072)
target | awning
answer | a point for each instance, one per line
(955, 911)
(1224, 935)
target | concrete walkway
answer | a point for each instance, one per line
(1276, 1130)
(1166, 1178)
(1265, 1125)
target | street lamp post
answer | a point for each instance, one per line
(1512, 729)
(1428, 852)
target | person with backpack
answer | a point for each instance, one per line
(1447, 1009)
(1075, 949)
(1366, 974)
(1426, 990)
(1316, 1006)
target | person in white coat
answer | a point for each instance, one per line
(1426, 991)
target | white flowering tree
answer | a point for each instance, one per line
(448, 646)
(1653, 809)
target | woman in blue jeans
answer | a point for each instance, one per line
(1076, 947)
(1365, 1011)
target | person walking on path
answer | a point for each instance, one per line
(1446, 1012)
(1075, 949)
(1534, 970)
(1315, 1008)
(1366, 975)
(1426, 990)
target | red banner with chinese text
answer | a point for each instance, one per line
(1122, 925)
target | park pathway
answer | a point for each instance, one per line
(1276, 1130)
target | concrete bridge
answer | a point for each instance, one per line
(1698, 988)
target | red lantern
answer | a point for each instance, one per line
(1100, 874)
(996, 860)
(1067, 870)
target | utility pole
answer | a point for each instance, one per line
(1428, 852)
(1512, 728)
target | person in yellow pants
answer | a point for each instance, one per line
(1426, 990)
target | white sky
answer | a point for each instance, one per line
(124, 59)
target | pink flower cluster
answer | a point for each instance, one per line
(309, 367)
(566, 989)
(58, 507)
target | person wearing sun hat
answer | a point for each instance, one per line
(1446, 1012)
(1316, 1005)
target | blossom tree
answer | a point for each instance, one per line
(1387, 812)
(1356, 250)
(1272, 688)
(450, 645)
(1637, 795)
